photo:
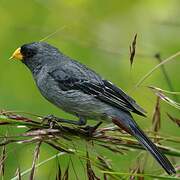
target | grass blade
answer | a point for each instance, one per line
(90, 173)
(66, 174)
(175, 120)
(18, 173)
(156, 120)
(36, 155)
(168, 80)
(155, 68)
(39, 164)
(2, 160)
(144, 175)
(162, 90)
(59, 173)
(166, 98)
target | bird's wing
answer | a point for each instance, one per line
(122, 95)
(90, 83)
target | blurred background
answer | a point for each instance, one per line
(98, 34)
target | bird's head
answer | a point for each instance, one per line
(36, 54)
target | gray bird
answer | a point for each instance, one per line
(80, 91)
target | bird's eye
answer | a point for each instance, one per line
(28, 51)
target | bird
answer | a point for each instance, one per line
(79, 90)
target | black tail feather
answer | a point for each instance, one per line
(151, 147)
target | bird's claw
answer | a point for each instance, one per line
(91, 129)
(50, 119)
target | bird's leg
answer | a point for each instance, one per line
(91, 129)
(52, 118)
(82, 121)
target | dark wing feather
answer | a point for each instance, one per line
(95, 86)
(112, 95)
(122, 95)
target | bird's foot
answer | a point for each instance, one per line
(89, 130)
(50, 120)
(54, 119)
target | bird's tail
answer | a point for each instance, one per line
(131, 127)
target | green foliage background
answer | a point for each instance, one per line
(98, 34)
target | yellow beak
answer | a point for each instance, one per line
(17, 54)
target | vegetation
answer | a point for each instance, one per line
(132, 43)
